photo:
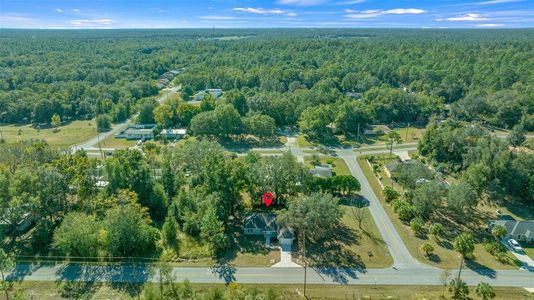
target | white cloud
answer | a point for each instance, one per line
(291, 14)
(159, 10)
(59, 10)
(349, 2)
(301, 2)
(217, 18)
(75, 10)
(94, 22)
(490, 25)
(371, 13)
(468, 17)
(498, 2)
(404, 11)
(260, 11)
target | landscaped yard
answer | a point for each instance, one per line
(529, 249)
(445, 256)
(338, 164)
(66, 135)
(244, 251)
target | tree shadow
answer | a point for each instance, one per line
(434, 258)
(224, 270)
(480, 269)
(334, 258)
(22, 270)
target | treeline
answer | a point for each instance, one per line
(285, 71)
(135, 203)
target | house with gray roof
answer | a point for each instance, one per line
(323, 170)
(522, 231)
(265, 224)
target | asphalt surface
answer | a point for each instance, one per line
(226, 274)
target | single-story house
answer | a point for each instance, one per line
(24, 223)
(323, 170)
(215, 93)
(265, 224)
(522, 231)
(173, 133)
(137, 132)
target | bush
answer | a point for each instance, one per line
(390, 194)
(417, 226)
(427, 249)
(495, 248)
(437, 230)
(404, 210)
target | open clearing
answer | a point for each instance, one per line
(70, 134)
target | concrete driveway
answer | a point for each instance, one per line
(285, 258)
(528, 263)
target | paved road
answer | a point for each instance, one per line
(401, 256)
(225, 274)
(92, 143)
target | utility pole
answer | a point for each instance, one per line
(305, 261)
(406, 139)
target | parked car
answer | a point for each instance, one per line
(515, 245)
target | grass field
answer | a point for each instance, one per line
(48, 290)
(529, 249)
(445, 257)
(369, 240)
(73, 133)
(338, 164)
(112, 142)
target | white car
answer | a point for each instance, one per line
(515, 245)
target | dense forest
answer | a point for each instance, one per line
(297, 77)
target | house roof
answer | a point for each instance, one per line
(515, 227)
(263, 221)
(324, 170)
(285, 233)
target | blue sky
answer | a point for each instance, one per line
(266, 13)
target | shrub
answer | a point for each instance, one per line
(427, 249)
(406, 211)
(417, 225)
(390, 194)
(437, 230)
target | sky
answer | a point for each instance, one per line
(266, 13)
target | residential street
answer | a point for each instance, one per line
(226, 274)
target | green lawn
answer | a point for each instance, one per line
(410, 134)
(445, 257)
(49, 290)
(369, 240)
(529, 249)
(338, 164)
(244, 251)
(112, 142)
(73, 133)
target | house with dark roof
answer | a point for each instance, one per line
(265, 224)
(522, 231)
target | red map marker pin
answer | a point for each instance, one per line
(267, 198)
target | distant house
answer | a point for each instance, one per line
(518, 230)
(215, 93)
(265, 224)
(323, 170)
(24, 223)
(172, 134)
(137, 132)
(377, 130)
